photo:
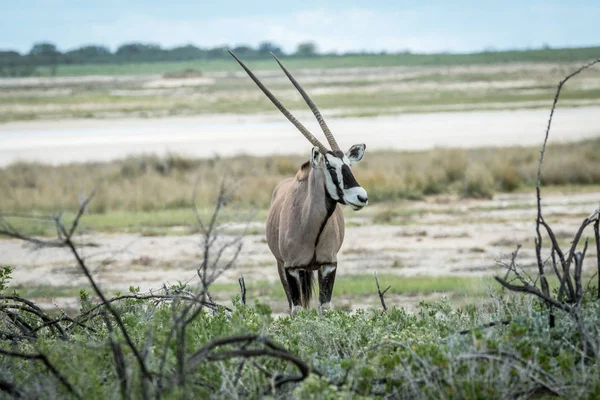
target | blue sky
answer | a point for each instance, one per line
(419, 26)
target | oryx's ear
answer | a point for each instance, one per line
(315, 158)
(356, 152)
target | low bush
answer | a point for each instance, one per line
(437, 352)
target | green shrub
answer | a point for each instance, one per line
(361, 354)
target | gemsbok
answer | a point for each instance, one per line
(305, 225)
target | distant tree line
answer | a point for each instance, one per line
(46, 54)
(44, 57)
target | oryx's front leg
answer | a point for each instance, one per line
(284, 283)
(295, 294)
(326, 281)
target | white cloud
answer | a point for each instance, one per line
(342, 30)
(443, 27)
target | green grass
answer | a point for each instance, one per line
(37, 292)
(350, 61)
(349, 286)
(364, 285)
(149, 223)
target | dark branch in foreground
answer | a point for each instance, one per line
(270, 349)
(380, 293)
(44, 360)
(539, 220)
(11, 389)
(29, 319)
(597, 237)
(525, 368)
(69, 243)
(484, 326)
(242, 289)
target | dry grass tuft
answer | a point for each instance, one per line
(146, 183)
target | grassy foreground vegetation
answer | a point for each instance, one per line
(437, 352)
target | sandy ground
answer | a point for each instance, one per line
(101, 140)
(450, 236)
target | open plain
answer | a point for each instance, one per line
(426, 237)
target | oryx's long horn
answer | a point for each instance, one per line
(281, 108)
(313, 107)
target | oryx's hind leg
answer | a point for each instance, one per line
(284, 283)
(326, 281)
(295, 294)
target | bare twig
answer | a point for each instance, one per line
(526, 288)
(210, 269)
(85, 316)
(32, 308)
(103, 298)
(44, 360)
(556, 96)
(565, 267)
(11, 389)
(578, 267)
(549, 383)
(242, 289)
(576, 294)
(7, 229)
(65, 235)
(584, 224)
(16, 337)
(380, 293)
(484, 326)
(270, 349)
(539, 219)
(120, 365)
(597, 237)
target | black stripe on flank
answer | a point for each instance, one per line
(348, 177)
(330, 205)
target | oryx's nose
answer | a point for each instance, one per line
(362, 199)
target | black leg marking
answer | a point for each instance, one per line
(326, 281)
(284, 283)
(294, 286)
